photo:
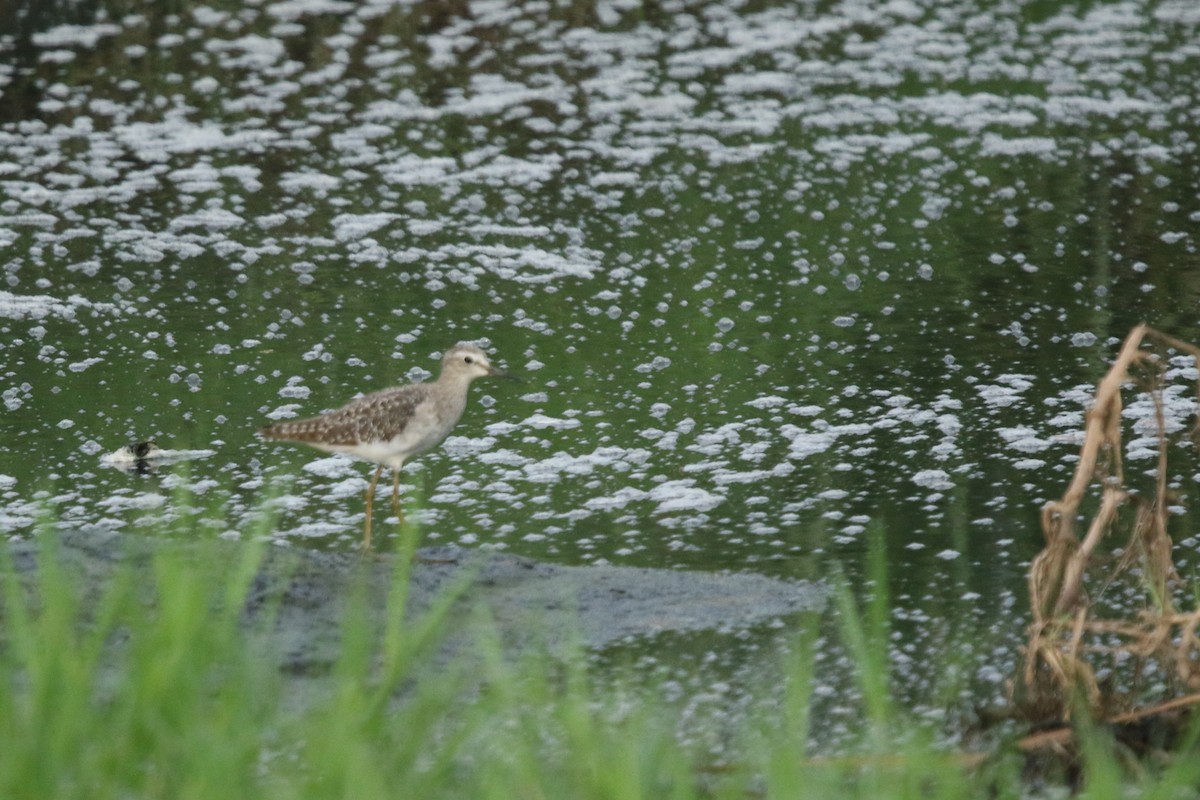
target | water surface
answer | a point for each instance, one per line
(783, 278)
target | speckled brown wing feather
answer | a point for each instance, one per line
(371, 418)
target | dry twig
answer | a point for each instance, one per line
(1065, 634)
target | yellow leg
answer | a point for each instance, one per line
(366, 542)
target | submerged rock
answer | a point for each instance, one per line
(304, 596)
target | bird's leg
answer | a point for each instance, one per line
(366, 542)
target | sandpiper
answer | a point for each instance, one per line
(391, 426)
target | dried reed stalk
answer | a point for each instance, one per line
(1057, 666)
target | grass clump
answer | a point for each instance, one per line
(161, 682)
(105, 695)
(159, 686)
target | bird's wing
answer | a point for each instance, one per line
(378, 416)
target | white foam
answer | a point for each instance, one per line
(933, 479)
(356, 226)
(18, 306)
(683, 495)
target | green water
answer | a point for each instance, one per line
(780, 276)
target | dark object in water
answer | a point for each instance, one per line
(137, 456)
(144, 450)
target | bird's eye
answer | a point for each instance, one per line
(469, 360)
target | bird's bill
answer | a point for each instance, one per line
(496, 372)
